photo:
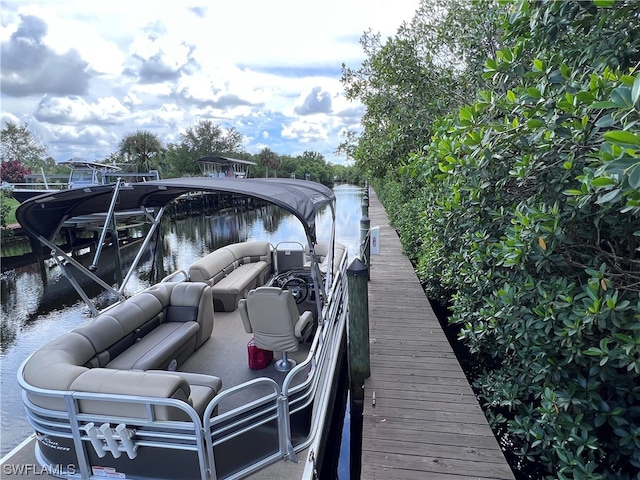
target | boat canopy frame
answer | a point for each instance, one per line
(43, 216)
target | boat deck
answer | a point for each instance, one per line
(221, 355)
(226, 350)
(426, 421)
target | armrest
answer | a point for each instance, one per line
(244, 315)
(304, 324)
(198, 300)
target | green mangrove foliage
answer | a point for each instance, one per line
(422, 73)
(533, 230)
(525, 219)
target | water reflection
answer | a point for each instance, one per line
(38, 304)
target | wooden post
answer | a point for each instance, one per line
(359, 362)
(358, 326)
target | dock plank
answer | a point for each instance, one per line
(425, 421)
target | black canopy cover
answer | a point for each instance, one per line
(42, 216)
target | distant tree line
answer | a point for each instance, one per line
(504, 140)
(22, 153)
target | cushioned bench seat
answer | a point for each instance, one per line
(127, 350)
(195, 389)
(233, 270)
(202, 388)
(159, 347)
(242, 279)
(322, 250)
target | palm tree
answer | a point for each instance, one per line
(142, 149)
(268, 159)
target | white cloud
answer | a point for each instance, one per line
(270, 69)
(305, 131)
(76, 110)
(68, 32)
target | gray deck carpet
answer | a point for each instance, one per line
(225, 356)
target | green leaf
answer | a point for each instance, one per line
(634, 176)
(610, 197)
(533, 92)
(635, 91)
(538, 65)
(606, 104)
(605, 122)
(623, 338)
(465, 113)
(534, 123)
(602, 182)
(621, 164)
(604, 3)
(622, 97)
(622, 137)
(585, 97)
(593, 351)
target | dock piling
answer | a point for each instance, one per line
(359, 357)
(358, 324)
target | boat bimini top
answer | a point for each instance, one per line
(43, 216)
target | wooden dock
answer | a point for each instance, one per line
(425, 422)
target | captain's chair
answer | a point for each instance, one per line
(271, 314)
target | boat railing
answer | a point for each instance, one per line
(177, 276)
(335, 310)
(219, 433)
(116, 435)
(258, 414)
(61, 182)
(282, 403)
(138, 177)
(277, 407)
(39, 185)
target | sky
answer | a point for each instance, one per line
(84, 74)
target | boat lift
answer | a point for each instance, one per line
(63, 259)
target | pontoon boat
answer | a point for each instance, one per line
(225, 370)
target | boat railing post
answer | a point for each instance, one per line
(44, 178)
(81, 453)
(287, 451)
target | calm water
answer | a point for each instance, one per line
(39, 304)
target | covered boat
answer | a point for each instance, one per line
(82, 173)
(225, 370)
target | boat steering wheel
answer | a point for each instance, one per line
(298, 288)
